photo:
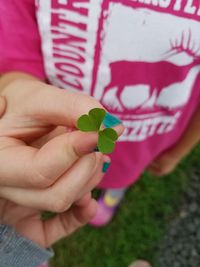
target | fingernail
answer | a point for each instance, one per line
(111, 121)
(105, 167)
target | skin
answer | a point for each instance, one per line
(27, 221)
(40, 126)
(168, 161)
(46, 164)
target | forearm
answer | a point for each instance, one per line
(6, 79)
(190, 138)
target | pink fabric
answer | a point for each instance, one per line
(155, 90)
(19, 38)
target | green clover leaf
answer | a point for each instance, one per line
(92, 123)
(106, 141)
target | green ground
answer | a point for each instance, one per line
(135, 233)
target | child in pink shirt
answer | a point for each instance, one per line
(140, 58)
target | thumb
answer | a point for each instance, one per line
(61, 152)
(31, 167)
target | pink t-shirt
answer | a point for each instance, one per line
(140, 58)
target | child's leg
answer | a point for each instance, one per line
(44, 265)
(113, 197)
(108, 204)
(140, 263)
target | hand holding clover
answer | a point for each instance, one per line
(94, 122)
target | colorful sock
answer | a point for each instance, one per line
(112, 197)
(107, 206)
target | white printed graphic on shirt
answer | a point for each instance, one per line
(140, 62)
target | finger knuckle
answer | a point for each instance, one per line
(93, 161)
(91, 102)
(40, 181)
(99, 160)
(70, 148)
(59, 205)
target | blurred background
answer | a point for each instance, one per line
(159, 221)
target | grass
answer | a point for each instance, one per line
(138, 226)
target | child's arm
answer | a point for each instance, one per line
(166, 162)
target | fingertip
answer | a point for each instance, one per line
(119, 129)
(82, 104)
(84, 200)
(92, 208)
(85, 214)
(111, 121)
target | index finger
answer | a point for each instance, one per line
(31, 167)
(58, 106)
